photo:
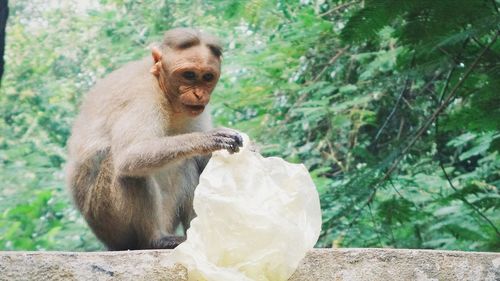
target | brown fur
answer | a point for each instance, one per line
(141, 140)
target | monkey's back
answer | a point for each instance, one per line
(100, 106)
(89, 161)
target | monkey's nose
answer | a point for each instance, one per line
(198, 94)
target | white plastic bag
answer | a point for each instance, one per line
(257, 218)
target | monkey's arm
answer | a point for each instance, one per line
(139, 152)
(140, 158)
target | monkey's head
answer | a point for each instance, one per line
(187, 66)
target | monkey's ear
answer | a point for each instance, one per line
(155, 69)
(156, 54)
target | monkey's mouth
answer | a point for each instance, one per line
(195, 109)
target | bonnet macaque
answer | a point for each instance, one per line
(141, 140)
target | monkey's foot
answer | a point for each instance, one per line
(168, 242)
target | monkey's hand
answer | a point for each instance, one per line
(223, 138)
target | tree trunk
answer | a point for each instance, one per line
(4, 13)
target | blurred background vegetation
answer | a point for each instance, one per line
(394, 106)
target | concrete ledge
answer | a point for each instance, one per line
(319, 264)
(391, 264)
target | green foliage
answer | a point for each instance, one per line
(392, 105)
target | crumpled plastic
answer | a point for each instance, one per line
(256, 219)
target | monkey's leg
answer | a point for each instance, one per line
(125, 214)
(100, 200)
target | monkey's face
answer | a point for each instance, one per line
(191, 74)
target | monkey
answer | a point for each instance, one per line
(141, 140)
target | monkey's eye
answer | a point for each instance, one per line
(189, 75)
(208, 77)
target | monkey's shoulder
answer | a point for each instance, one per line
(133, 78)
(131, 70)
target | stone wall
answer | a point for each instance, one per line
(319, 264)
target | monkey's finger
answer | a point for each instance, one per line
(230, 148)
(233, 149)
(239, 139)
